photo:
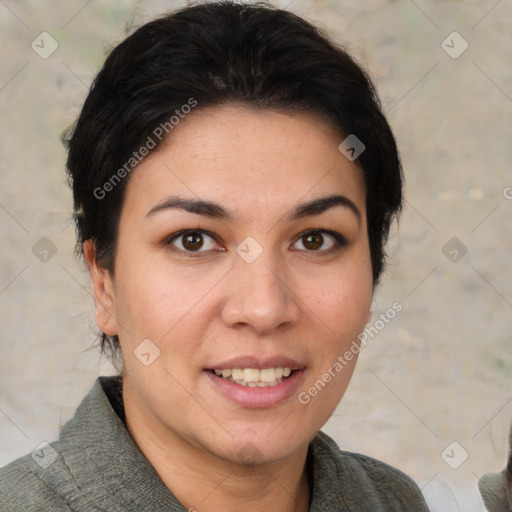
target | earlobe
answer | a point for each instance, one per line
(103, 289)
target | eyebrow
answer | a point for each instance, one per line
(206, 208)
(322, 204)
(215, 211)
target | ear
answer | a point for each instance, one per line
(103, 288)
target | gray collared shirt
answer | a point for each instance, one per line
(96, 466)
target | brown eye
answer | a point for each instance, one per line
(321, 241)
(313, 241)
(193, 241)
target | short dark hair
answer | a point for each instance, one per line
(213, 54)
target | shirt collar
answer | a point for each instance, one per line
(119, 477)
(105, 462)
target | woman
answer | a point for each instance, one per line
(234, 182)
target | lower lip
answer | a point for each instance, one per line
(269, 396)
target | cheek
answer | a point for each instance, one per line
(343, 301)
(340, 310)
(152, 298)
(345, 312)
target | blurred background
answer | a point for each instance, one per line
(432, 392)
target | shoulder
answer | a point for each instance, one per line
(382, 476)
(364, 483)
(44, 479)
(25, 485)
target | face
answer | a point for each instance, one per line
(242, 251)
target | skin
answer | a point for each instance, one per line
(296, 299)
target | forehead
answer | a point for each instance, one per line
(262, 159)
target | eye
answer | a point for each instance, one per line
(320, 241)
(193, 241)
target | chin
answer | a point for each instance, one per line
(263, 451)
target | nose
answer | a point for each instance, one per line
(259, 296)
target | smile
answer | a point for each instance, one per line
(253, 377)
(251, 390)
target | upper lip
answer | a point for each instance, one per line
(259, 363)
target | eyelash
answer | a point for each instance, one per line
(339, 240)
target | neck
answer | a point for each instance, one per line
(204, 482)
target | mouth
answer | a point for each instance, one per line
(255, 377)
(256, 387)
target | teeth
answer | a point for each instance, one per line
(267, 375)
(236, 373)
(253, 377)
